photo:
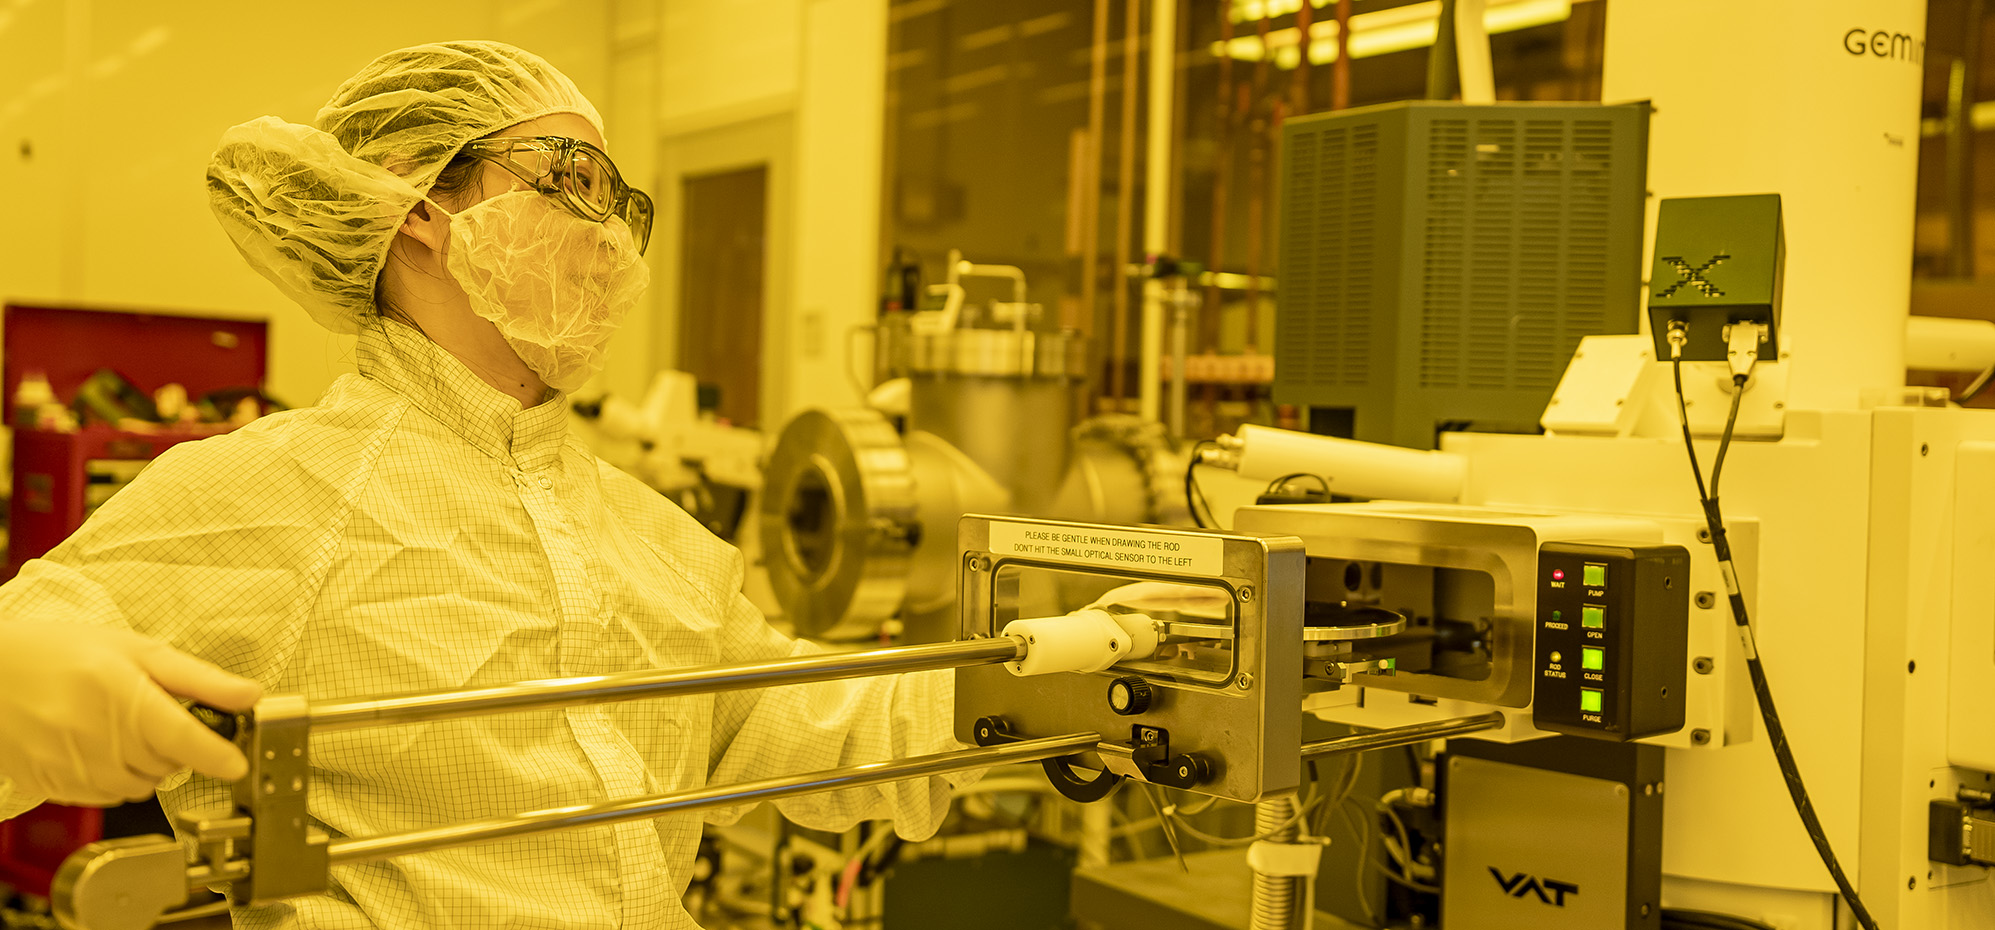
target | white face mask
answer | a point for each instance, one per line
(556, 285)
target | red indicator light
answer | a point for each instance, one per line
(1558, 574)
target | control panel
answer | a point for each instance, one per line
(1613, 626)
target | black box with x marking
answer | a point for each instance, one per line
(1718, 262)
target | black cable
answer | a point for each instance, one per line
(1281, 482)
(1676, 918)
(1975, 387)
(1725, 441)
(1683, 417)
(1193, 495)
(1783, 753)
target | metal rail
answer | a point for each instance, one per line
(1402, 736)
(343, 852)
(652, 683)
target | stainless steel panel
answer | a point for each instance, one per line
(1497, 545)
(1529, 849)
(1247, 720)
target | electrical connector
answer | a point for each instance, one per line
(1959, 833)
(1742, 346)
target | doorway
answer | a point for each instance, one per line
(723, 239)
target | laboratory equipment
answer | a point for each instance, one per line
(1440, 260)
(1840, 563)
(858, 519)
(1202, 634)
(673, 442)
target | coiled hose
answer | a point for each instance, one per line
(1275, 896)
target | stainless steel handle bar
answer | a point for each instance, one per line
(343, 852)
(651, 683)
(1402, 736)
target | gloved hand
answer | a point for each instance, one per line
(88, 715)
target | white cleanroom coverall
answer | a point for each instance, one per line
(416, 530)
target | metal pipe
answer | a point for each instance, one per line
(650, 683)
(1402, 736)
(1157, 204)
(1477, 80)
(1962, 81)
(1125, 202)
(1091, 180)
(1157, 156)
(1340, 71)
(346, 852)
(1298, 80)
(1222, 170)
(1181, 301)
(1259, 136)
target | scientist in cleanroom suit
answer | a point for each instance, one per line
(430, 525)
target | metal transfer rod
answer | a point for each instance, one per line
(1402, 736)
(651, 683)
(343, 852)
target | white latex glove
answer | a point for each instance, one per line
(88, 714)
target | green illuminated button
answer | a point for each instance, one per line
(1594, 576)
(1593, 658)
(1594, 617)
(1589, 700)
(1555, 616)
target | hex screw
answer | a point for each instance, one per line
(1702, 665)
(1704, 534)
(1246, 593)
(1700, 737)
(1706, 600)
(1245, 682)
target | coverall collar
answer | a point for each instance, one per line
(408, 363)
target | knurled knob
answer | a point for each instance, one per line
(1129, 696)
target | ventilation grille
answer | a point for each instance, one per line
(1515, 234)
(1324, 334)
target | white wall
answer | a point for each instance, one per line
(117, 105)
(737, 78)
(120, 103)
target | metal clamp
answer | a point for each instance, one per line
(994, 731)
(289, 853)
(1146, 757)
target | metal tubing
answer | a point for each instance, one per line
(1125, 203)
(344, 852)
(650, 683)
(1340, 71)
(1091, 183)
(1157, 206)
(1402, 736)
(1963, 81)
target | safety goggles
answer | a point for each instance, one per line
(574, 172)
